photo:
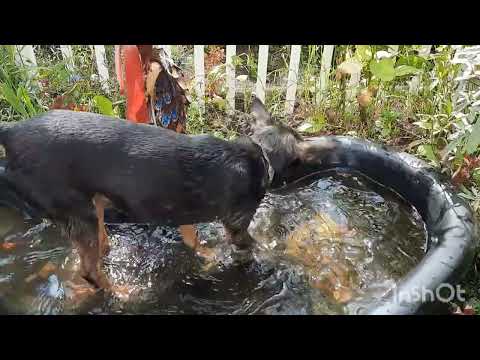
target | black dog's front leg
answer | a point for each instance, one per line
(238, 236)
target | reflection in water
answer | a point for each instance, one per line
(325, 247)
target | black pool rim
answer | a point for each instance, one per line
(450, 222)
(452, 232)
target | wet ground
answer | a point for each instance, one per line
(325, 246)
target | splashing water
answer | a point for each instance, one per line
(324, 247)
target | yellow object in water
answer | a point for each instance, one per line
(315, 245)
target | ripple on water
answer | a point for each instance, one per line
(325, 247)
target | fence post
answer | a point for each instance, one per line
(25, 56)
(102, 66)
(393, 48)
(353, 83)
(325, 66)
(167, 49)
(261, 86)
(67, 54)
(199, 65)
(414, 83)
(292, 79)
(230, 74)
(425, 50)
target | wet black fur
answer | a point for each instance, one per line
(60, 159)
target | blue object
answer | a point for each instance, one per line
(166, 120)
(158, 104)
(168, 99)
(74, 78)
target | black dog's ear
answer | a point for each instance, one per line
(260, 113)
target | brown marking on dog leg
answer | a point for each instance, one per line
(189, 235)
(101, 202)
(190, 238)
(106, 242)
(90, 261)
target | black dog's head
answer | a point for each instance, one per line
(280, 143)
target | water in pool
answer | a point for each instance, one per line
(324, 246)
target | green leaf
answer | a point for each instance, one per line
(383, 69)
(476, 175)
(448, 107)
(453, 144)
(104, 105)
(316, 127)
(424, 124)
(313, 124)
(403, 70)
(363, 53)
(473, 139)
(411, 60)
(12, 99)
(23, 94)
(415, 143)
(219, 103)
(467, 196)
(466, 193)
(428, 152)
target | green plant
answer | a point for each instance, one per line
(309, 73)
(18, 92)
(314, 123)
(105, 106)
(196, 121)
(387, 123)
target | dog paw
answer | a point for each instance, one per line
(209, 257)
(206, 253)
(242, 256)
(123, 292)
(77, 292)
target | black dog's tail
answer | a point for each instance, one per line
(4, 127)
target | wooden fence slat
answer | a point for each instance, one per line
(414, 83)
(167, 48)
(325, 66)
(393, 48)
(425, 50)
(25, 56)
(67, 54)
(261, 86)
(199, 65)
(292, 79)
(354, 81)
(102, 66)
(230, 74)
(353, 84)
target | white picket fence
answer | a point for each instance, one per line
(27, 56)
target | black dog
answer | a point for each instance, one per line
(71, 164)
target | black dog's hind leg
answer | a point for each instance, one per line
(83, 231)
(101, 203)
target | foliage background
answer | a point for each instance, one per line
(424, 104)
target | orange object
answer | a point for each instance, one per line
(8, 246)
(130, 75)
